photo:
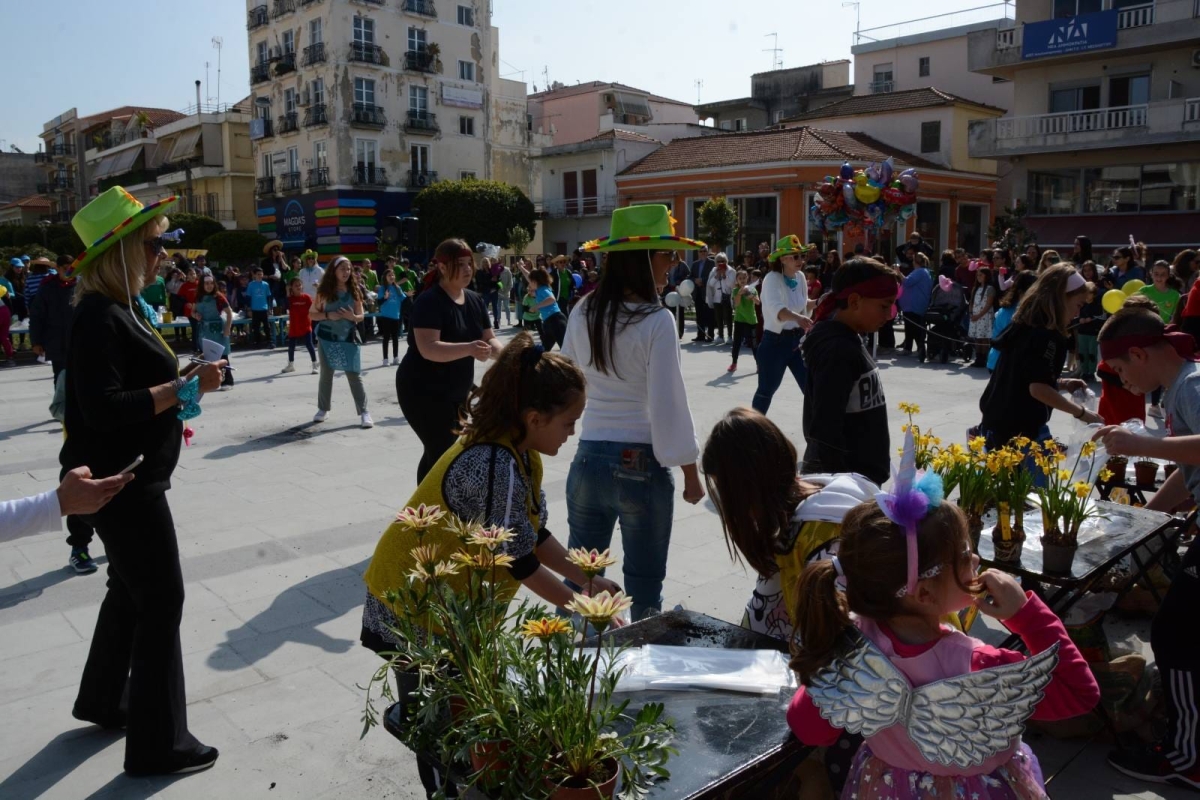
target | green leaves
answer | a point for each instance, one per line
(473, 210)
(719, 222)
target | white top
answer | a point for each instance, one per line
(719, 287)
(648, 402)
(777, 295)
(310, 277)
(29, 515)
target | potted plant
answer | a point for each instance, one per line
(1144, 472)
(925, 444)
(1065, 502)
(1116, 465)
(966, 469)
(1011, 485)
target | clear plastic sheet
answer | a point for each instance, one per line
(666, 667)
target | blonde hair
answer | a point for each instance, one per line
(1044, 305)
(119, 273)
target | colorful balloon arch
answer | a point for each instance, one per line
(864, 200)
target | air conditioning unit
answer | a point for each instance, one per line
(1196, 59)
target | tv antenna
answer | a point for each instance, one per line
(857, 16)
(775, 51)
(218, 43)
(699, 86)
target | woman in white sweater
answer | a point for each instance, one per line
(785, 320)
(637, 424)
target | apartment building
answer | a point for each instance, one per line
(360, 104)
(779, 94)
(570, 114)
(1102, 136)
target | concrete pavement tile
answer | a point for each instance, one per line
(272, 579)
(216, 672)
(376, 785)
(291, 607)
(42, 671)
(31, 636)
(204, 629)
(307, 696)
(301, 647)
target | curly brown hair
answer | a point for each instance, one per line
(327, 288)
(524, 378)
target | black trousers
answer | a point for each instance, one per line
(722, 318)
(703, 314)
(135, 647)
(261, 319)
(743, 332)
(887, 334)
(389, 331)
(554, 331)
(433, 420)
(914, 331)
(1177, 655)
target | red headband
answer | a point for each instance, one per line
(1183, 343)
(876, 288)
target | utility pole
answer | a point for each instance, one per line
(776, 58)
(218, 43)
(699, 86)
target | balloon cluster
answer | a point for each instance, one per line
(1115, 298)
(864, 199)
(682, 296)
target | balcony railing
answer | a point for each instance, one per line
(57, 185)
(286, 63)
(281, 7)
(318, 177)
(315, 115)
(1135, 16)
(308, 2)
(1009, 38)
(577, 206)
(420, 178)
(1100, 119)
(265, 185)
(882, 87)
(423, 7)
(366, 53)
(260, 72)
(370, 176)
(54, 151)
(420, 61)
(1191, 110)
(970, 16)
(314, 54)
(257, 18)
(367, 116)
(41, 158)
(421, 122)
(289, 182)
(289, 123)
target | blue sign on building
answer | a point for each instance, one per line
(1078, 34)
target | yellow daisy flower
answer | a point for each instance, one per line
(421, 517)
(600, 610)
(592, 562)
(545, 629)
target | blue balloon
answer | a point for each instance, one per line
(885, 171)
(847, 171)
(578, 279)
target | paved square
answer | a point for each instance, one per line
(276, 519)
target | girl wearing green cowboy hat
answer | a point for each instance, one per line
(637, 424)
(123, 393)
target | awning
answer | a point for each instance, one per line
(185, 145)
(104, 168)
(124, 160)
(155, 153)
(632, 104)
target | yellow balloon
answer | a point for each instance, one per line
(1133, 287)
(3, 291)
(1113, 300)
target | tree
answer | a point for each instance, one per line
(196, 229)
(719, 221)
(477, 211)
(235, 246)
(1012, 221)
(518, 239)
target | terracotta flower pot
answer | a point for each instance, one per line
(1116, 465)
(601, 791)
(487, 759)
(1058, 558)
(1169, 470)
(1145, 472)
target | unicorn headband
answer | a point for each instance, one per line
(912, 497)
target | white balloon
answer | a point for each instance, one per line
(686, 288)
(673, 299)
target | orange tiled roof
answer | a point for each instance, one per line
(32, 201)
(157, 116)
(761, 147)
(883, 102)
(594, 86)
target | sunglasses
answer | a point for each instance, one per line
(155, 245)
(670, 253)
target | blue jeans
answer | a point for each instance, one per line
(612, 482)
(492, 301)
(777, 353)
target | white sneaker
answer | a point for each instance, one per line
(315, 368)
(367, 422)
(289, 368)
(319, 416)
(41, 359)
(396, 361)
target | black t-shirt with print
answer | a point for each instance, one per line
(1028, 355)
(455, 324)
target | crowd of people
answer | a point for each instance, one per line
(836, 558)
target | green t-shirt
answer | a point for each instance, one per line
(531, 312)
(403, 278)
(371, 279)
(1166, 300)
(746, 310)
(288, 275)
(155, 293)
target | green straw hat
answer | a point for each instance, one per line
(110, 218)
(642, 228)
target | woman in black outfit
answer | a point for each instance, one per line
(122, 400)
(450, 327)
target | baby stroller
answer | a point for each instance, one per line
(943, 318)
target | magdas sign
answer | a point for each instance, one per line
(1078, 34)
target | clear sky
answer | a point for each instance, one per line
(81, 54)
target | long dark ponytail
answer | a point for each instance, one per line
(625, 273)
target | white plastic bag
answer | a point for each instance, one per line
(667, 667)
